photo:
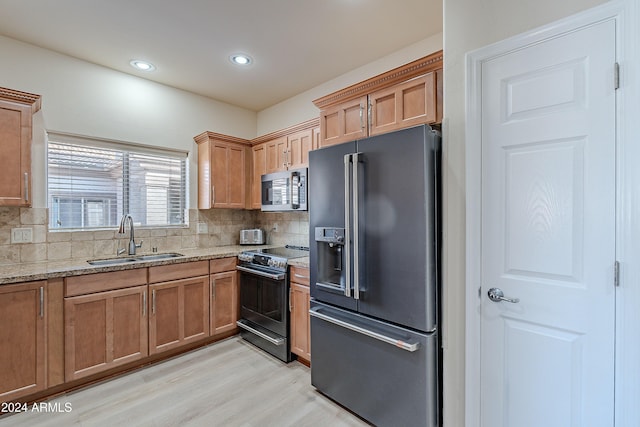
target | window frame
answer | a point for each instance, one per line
(121, 200)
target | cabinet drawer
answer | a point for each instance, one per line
(299, 275)
(98, 282)
(223, 264)
(165, 273)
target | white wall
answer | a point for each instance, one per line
(86, 99)
(300, 108)
(469, 25)
(90, 100)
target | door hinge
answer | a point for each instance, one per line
(616, 273)
(616, 76)
(480, 292)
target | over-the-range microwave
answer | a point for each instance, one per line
(284, 191)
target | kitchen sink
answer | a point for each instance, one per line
(111, 261)
(156, 257)
(150, 257)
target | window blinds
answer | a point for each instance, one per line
(93, 186)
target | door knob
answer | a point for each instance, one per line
(496, 295)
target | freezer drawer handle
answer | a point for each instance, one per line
(314, 312)
(261, 273)
(274, 341)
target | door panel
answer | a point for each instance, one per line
(326, 209)
(381, 382)
(398, 241)
(224, 302)
(548, 232)
(22, 352)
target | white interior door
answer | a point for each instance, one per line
(548, 232)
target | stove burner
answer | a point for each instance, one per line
(272, 257)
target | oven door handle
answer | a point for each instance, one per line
(273, 276)
(274, 341)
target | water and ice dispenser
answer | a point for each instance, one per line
(331, 258)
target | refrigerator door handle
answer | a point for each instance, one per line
(347, 226)
(356, 228)
(411, 347)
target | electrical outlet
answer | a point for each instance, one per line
(203, 228)
(21, 235)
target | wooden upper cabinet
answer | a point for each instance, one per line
(22, 338)
(222, 171)
(315, 144)
(16, 111)
(230, 169)
(275, 154)
(344, 122)
(289, 151)
(403, 105)
(405, 96)
(299, 144)
(259, 166)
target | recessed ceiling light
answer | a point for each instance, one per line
(142, 65)
(240, 59)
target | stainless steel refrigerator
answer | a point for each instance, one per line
(374, 263)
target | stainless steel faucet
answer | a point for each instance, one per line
(132, 243)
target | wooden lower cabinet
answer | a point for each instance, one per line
(299, 305)
(224, 300)
(22, 340)
(77, 327)
(104, 330)
(179, 313)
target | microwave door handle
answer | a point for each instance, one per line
(294, 188)
(347, 226)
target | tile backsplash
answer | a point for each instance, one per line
(222, 228)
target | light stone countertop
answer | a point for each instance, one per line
(300, 262)
(16, 273)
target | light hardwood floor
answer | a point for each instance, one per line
(229, 383)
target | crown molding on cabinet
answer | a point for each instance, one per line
(207, 135)
(404, 72)
(22, 97)
(309, 124)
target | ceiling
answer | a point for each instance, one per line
(295, 44)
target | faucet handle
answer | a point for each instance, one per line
(139, 245)
(120, 251)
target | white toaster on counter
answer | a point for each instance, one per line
(254, 236)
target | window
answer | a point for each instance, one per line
(91, 184)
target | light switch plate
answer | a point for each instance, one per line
(21, 235)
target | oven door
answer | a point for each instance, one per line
(264, 298)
